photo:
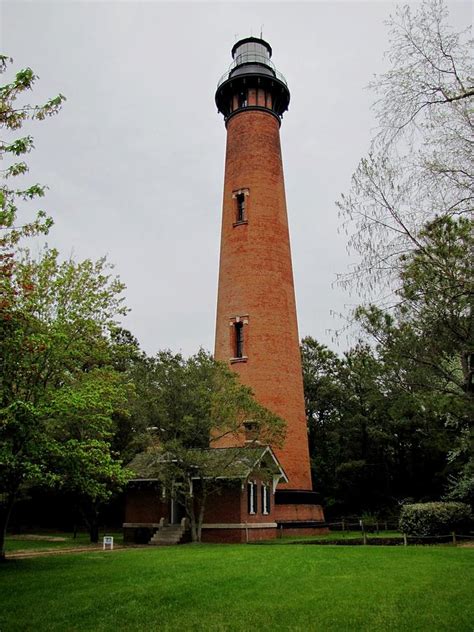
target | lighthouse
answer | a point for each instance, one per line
(256, 323)
(264, 491)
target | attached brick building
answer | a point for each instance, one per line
(241, 508)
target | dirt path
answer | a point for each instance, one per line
(18, 555)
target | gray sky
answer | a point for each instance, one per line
(135, 161)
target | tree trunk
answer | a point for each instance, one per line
(194, 536)
(5, 513)
(189, 508)
(91, 518)
(94, 530)
(201, 511)
(77, 519)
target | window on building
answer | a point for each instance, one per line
(252, 497)
(240, 199)
(265, 499)
(251, 431)
(239, 339)
(243, 100)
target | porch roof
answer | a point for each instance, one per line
(226, 463)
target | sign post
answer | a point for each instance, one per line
(108, 542)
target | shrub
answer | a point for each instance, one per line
(434, 518)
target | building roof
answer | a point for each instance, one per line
(226, 463)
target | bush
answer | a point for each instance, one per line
(434, 518)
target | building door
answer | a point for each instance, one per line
(176, 512)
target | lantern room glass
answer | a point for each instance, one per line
(252, 52)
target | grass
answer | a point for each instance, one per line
(17, 543)
(240, 588)
(336, 535)
(20, 543)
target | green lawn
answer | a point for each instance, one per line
(238, 587)
(67, 541)
(23, 543)
(336, 535)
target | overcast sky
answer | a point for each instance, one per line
(135, 160)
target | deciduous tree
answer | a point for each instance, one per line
(409, 216)
(428, 338)
(57, 385)
(420, 164)
(192, 404)
(376, 438)
(16, 223)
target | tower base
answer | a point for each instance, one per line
(298, 512)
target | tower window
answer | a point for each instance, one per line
(239, 339)
(240, 198)
(251, 431)
(243, 100)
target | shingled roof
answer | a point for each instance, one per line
(225, 463)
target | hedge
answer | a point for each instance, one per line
(435, 518)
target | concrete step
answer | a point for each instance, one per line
(167, 536)
(171, 528)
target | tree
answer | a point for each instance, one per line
(420, 165)
(429, 337)
(410, 214)
(12, 117)
(79, 419)
(18, 429)
(132, 421)
(374, 439)
(437, 295)
(63, 382)
(433, 323)
(192, 405)
(58, 390)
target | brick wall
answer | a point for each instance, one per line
(231, 506)
(224, 507)
(258, 516)
(288, 532)
(145, 505)
(299, 512)
(256, 280)
(228, 536)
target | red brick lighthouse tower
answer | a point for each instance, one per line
(256, 328)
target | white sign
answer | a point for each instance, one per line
(108, 541)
